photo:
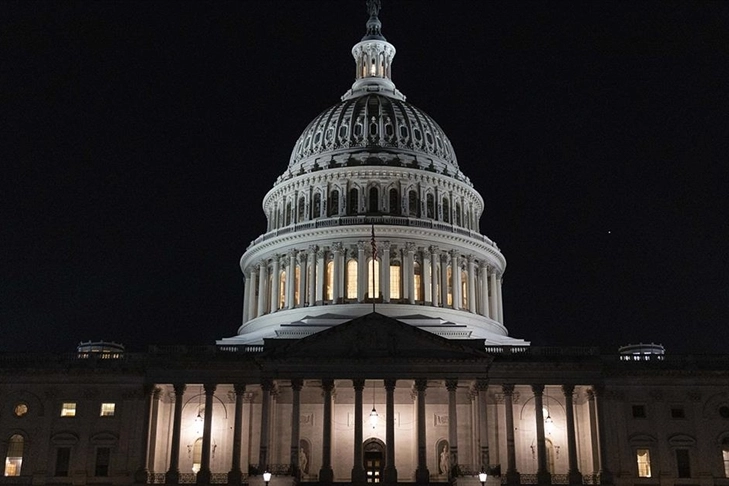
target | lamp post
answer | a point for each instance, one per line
(266, 477)
(482, 476)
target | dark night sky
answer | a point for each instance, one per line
(139, 139)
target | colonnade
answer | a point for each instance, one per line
(404, 273)
(480, 428)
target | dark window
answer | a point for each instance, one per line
(103, 454)
(374, 196)
(638, 411)
(63, 459)
(288, 214)
(683, 463)
(316, 211)
(394, 202)
(353, 203)
(429, 206)
(413, 203)
(677, 413)
(302, 205)
(724, 412)
(458, 214)
(446, 211)
(334, 203)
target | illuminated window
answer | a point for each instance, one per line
(20, 409)
(373, 292)
(101, 466)
(297, 297)
(464, 290)
(643, 457)
(63, 460)
(107, 409)
(417, 282)
(68, 409)
(352, 279)
(282, 289)
(197, 455)
(14, 459)
(395, 281)
(725, 455)
(329, 277)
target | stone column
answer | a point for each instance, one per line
(235, 475)
(482, 387)
(358, 472)
(290, 279)
(321, 262)
(141, 475)
(390, 474)
(362, 280)
(266, 387)
(598, 402)
(312, 275)
(205, 475)
(434, 261)
(573, 473)
(275, 283)
(426, 279)
(483, 273)
(262, 287)
(173, 474)
(152, 445)
(444, 279)
(385, 272)
(494, 314)
(452, 386)
(410, 280)
(422, 475)
(326, 474)
(303, 272)
(456, 279)
(253, 284)
(499, 299)
(296, 385)
(337, 249)
(247, 281)
(543, 475)
(593, 432)
(512, 475)
(471, 284)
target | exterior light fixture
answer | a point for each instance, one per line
(267, 477)
(482, 476)
(374, 417)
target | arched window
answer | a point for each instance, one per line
(197, 455)
(430, 206)
(374, 200)
(353, 202)
(282, 290)
(352, 279)
(458, 214)
(316, 207)
(329, 279)
(14, 459)
(373, 284)
(334, 203)
(288, 213)
(300, 210)
(413, 203)
(417, 282)
(464, 290)
(395, 280)
(394, 202)
(446, 211)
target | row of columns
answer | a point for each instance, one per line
(422, 473)
(483, 285)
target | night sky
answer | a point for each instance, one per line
(139, 139)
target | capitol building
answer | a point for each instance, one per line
(373, 348)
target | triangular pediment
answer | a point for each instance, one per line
(375, 336)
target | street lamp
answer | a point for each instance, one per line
(482, 476)
(266, 477)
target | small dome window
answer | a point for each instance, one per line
(20, 410)
(343, 131)
(403, 132)
(418, 135)
(429, 138)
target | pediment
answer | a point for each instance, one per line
(374, 336)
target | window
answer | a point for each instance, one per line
(374, 200)
(725, 455)
(446, 212)
(638, 411)
(724, 412)
(316, 210)
(683, 463)
(417, 282)
(101, 468)
(353, 202)
(20, 409)
(643, 457)
(394, 202)
(395, 281)
(197, 455)
(450, 286)
(282, 289)
(14, 459)
(107, 409)
(297, 280)
(413, 203)
(334, 203)
(63, 459)
(677, 413)
(68, 409)
(373, 292)
(329, 278)
(464, 290)
(300, 210)
(352, 279)
(429, 206)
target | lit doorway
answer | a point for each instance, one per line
(374, 460)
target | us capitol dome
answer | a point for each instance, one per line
(373, 214)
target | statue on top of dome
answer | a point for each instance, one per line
(373, 7)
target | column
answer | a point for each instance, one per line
(153, 430)
(471, 284)
(358, 472)
(422, 475)
(320, 264)
(262, 281)
(362, 280)
(499, 300)
(312, 275)
(434, 261)
(385, 270)
(275, 283)
(426, 278)
(598, 403)
(444, 278)
(247, 281)
(593, 432)
(456, 279)
(141, 475)
(337, 277)
(296, 385)
(326, 474)
(173, 473)
(452, 386)
(235, 475)
(484, 270)
(573, 473)
(205, 475)
(252, 286)
(512, 475)
(390, 475)
(303, 272)
(543, 475)
(482, 387)
(410, 279)
(494, 314)
(290, 279)
(266, 387)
